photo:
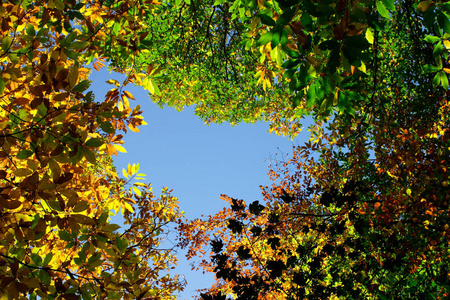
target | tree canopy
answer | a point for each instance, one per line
(58, 187)
(368, 218)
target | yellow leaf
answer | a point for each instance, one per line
(120, 105)
(447, 44)
(423, 6)
(124, 173)
(408, 191)
(129, 95)
(137, 191)
(113, 81)
(133, 128)
(120, 148)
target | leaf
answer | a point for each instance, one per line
(311, 95)
(107, 127)
(265, 38)
(430, 68)
(65, 236)
(24, 154)
(120, 148)
(82, 219)
(423, 6)
(432, 39)
(286, 16)
(389, 4)
(276, 38)
(382, 10)
(443, 79)
(438, 49)
(21, 172)
(90, 155)
(444, 22)
(2, 85)
(94, 142)
(81, 86)
(6, 43)
(81, 206)
(265, 19)
(79, 45)
(110, 228)
(113, 82)
(73, 76)
(9, 204)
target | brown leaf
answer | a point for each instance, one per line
(61, 96)
(62, 75)
(9, 204)
(64, 178)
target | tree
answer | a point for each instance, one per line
(369, 218)
(58, 187)
(282, 60)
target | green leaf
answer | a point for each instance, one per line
(55, 205)
(24, 154)
(432, 39)
(275, 38)
(438, 49)
(265, 19)
(94, 142)
(443, 79)
(80, 206)
(45, 277)
(265, 38)
(81, 86)
(382, 10)
(2, 85)
(430, 68)
(284, 37)
(306, 21)
(42, 110)
(443, 21)
(286, 17)
(47, 259)
(311, 95)
(436, 79)
(65, 236)
(6, 43)
(107, 127)
(79, 45)
(30, 30)
(70, 38)
(116, 28)
(389, 4)
(36, 258)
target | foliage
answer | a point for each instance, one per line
(369, 218)
(281, 60)
(58, 187)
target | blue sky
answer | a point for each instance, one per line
(199, 162)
